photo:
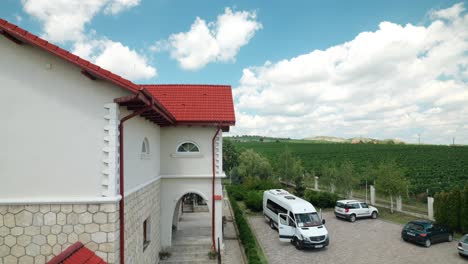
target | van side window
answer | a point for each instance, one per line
(275, 208)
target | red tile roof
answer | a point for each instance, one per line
(18, 34)
(77, 254)
(187, 103)
(190, 103)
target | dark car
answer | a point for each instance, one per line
(426, 233)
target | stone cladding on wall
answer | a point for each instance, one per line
(139, 206)
(33, 234)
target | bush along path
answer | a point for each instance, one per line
(251, 247)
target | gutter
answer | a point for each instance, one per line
(213, 189)
(121, 180)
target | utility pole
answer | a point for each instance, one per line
(419, 139)
(453, 141)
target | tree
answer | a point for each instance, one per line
(464, 210)
(288, 166)
(453, 209)
(230, 156)
(347, 178)
(329, 177)
(252, 164)
(440, 207)
(390, 180)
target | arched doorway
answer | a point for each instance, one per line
(191, 222)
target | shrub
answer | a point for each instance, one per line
(253, 183)
(254, 200)
(245, 233)
(453, 209)
(464, 210)
(321, 199)
(236, 191)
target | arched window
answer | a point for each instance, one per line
(145, 148)
(188, 147)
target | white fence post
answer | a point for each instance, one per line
(430, 207)
(316, 187)
(372, 195)
(399, 205)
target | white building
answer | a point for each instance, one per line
(61, 176)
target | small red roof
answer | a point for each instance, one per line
(77, 254)
(190, 103)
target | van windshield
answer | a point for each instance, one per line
(308, 219)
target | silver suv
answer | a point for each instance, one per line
(352, 209)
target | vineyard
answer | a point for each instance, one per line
(426, 166)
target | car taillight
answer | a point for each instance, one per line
(346, 210)
(423, 235)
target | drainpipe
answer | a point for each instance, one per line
(121, 161)
(213, 189)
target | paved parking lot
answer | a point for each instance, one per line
(365, 241)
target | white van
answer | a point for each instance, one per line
(297, 220)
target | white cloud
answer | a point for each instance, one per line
(116, 57)
(214, 41)
(397, 81)
(117, 6)
(64, 21)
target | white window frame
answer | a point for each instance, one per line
(178, 154)
(145, 155)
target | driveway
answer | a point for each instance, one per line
(364, 241)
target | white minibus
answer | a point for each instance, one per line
(296, 219)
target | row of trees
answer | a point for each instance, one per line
(451, 208)
(341, 179)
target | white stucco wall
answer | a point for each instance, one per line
(173, 163)
(51, 134)
(139, 169)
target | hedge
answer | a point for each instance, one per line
(245, 233)
(254, 200)
(321, 199)
(451, 209)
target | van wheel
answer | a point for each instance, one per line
(352, 218)
(450, 238)
(272, 225)
(297, 244)
(427, 243)
(374, 215)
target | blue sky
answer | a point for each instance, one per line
(265, 39)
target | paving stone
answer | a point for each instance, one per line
(99, 237)
(4, 251)
(61, 218)
(24, 240)
(85, 218)
(66, 208)
(100, 218)
(79, 208)
(46, 250)
(10, 240)
(38, 219)
(26, 260)
(50, 219)
(17, 231)
(24, 218)
(33, 250)
(32, 230)
(39, 240)
(17, 251)
(9, 220)
(10, 260)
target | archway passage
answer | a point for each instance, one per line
(192, 221)
(191, 231)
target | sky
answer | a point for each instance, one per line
(380, 69)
